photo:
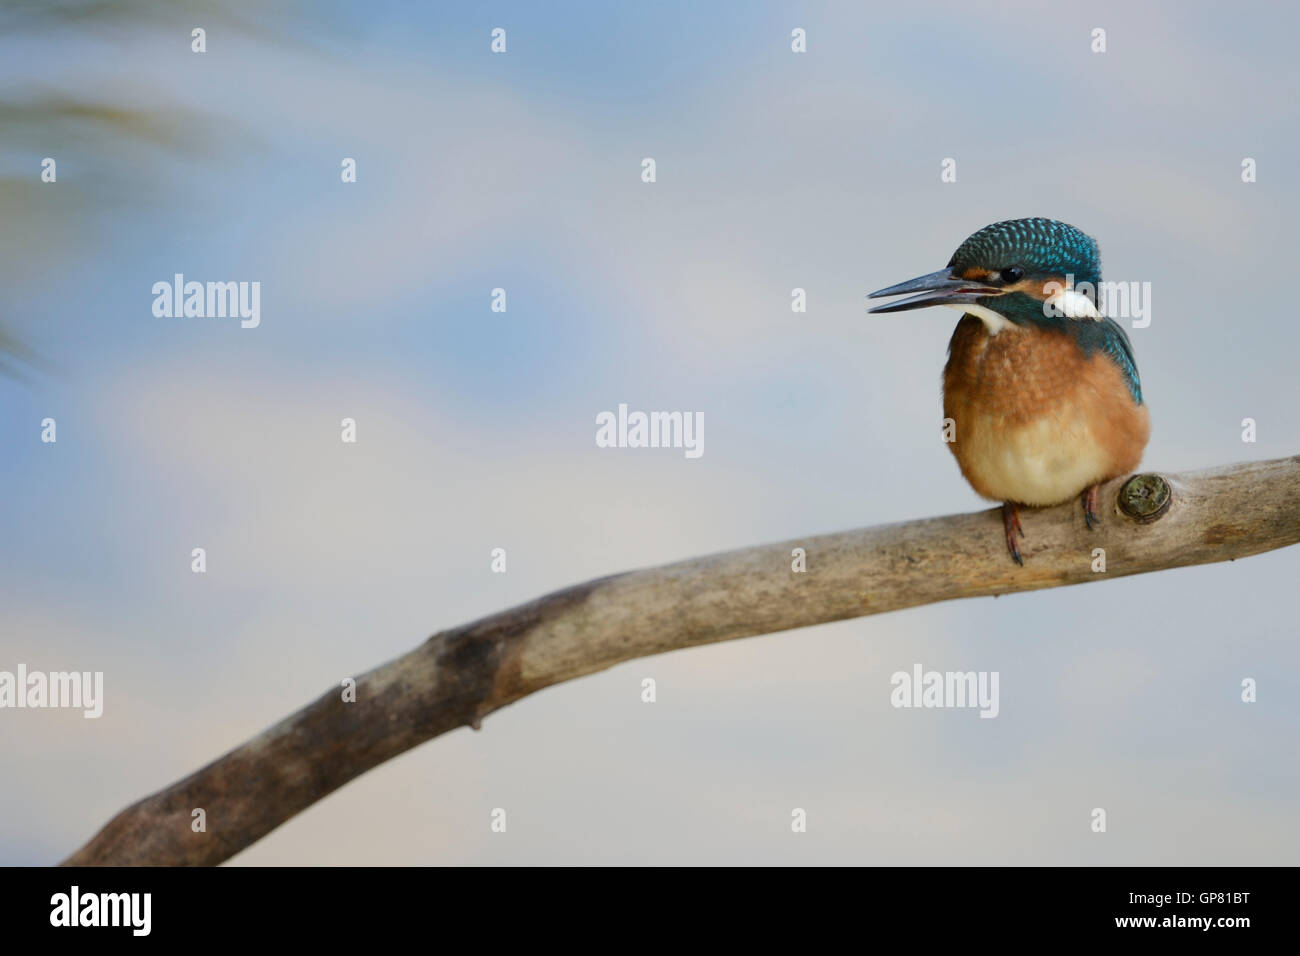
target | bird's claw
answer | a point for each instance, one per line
(1011, 524)
(1090, 508)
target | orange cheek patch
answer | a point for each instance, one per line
(1040, 289)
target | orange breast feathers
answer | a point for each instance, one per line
(1035, 421)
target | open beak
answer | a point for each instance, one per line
(937, 288)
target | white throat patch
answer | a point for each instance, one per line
(1067, 302)
(993, 322)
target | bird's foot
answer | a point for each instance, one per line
(1089, 497)
(1011, 523)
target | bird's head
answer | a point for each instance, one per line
(1014, 272)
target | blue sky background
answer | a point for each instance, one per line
(476, 429)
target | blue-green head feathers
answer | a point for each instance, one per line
(1022, 271)
(1042, 247)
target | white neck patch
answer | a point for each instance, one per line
(1072, 304)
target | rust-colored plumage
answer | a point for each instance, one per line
(1036, 421)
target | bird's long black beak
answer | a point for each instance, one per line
(937, 288)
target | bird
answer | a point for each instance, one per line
(1041, 394)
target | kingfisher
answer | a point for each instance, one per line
(1041, 391)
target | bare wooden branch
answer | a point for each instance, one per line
(460, 675)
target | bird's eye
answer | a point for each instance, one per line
(1011, 274)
